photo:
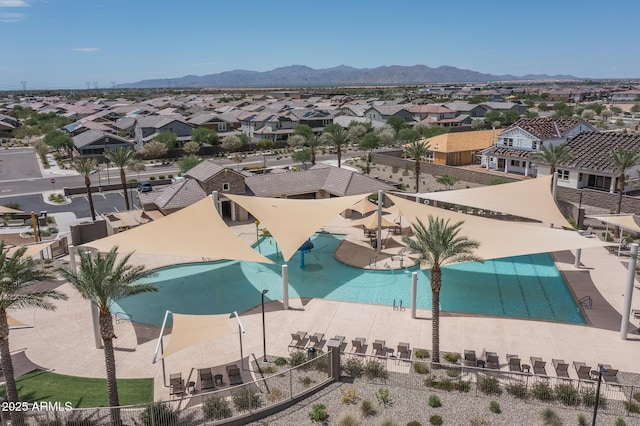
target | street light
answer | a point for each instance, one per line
(601, 370)
(264, 332)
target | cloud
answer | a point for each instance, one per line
(14, 3)
(11, 17)
(86, 49)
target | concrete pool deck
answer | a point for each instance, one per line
(62, 341)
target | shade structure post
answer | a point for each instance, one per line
(554, 185)
(379, 234)
(96, 326)
(214, 197)
(240, 333)
(72, 258)
(285, 287)
(628, 294)
(414, 292)
(578, 255)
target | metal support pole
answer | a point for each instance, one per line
(264, 330)
(595, 405)
(379, 235)
(285, 287)
(578, 255)
(214, 196)
(96, 326)
(628, 294)
(414, 292)
(554, 184)
(72, 258)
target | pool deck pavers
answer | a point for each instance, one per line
(63, 342)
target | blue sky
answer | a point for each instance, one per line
(66, 43)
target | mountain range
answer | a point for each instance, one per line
(303, 76)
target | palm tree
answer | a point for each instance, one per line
(623, 159)
(312, 140)
(122, 157)
(417, 150)
(85, 167)
(439, 244)
(17, 273)
(553, 155)
(335, 135)
(102, 279)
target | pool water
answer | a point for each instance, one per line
(523, 287)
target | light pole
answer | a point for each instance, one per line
(264, 330)
(601, 370)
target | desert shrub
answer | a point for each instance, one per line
(269, 369)
(550, 417)
(620, 422)
(435, 420)
(478, 422)
(542, 391)
(489, 386)
(421, 353)
(367, 409)
(318, 413)
(434, 401)
(636, 396)
(414, 423)
(383, 396)
(588, 397)
(216, 408)
(453, 373)
(395, 169)
(495, 407)
(632, 407)
(388, 422)
(280, 362)
(306, 381)
(161, 177)
(275, 395)
(566, 393)
(297, 358)
(320, 363)
(420, 368)
(519, 390)
(375, 370)
(245, 399)
(451, 357)
(152, 178)
(582, 419)
(348, 419)
(158, 414)
(353, 367)
(349, 396)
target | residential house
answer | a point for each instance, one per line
(459, 148)
(222, 123)
(146, 128)
(172, 198)
(8, 124)
(433, 111)
(503, 107)
(315, 118)
(383, 112)
(626, 96)
(475, 111)
(96, 142)
(517, 143)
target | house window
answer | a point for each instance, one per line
(534, 145)
(226, 186)
(563, 174)
(222, 127)
(599, 182)
(515, 163)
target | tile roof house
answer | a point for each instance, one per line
(220, 122)
(173, 197)
(95, 142)
(146, 128)
(383, 112)
(459, 148)
(517, 143)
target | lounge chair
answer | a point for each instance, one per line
(583, 371)
(404, 351)
(538, 366)
(561, 368)
(297, 340)
(470, 359)
(206, 379)
(234, 375)
(493, 360)
(176, 384)
(316, 340)
(514, 363)
(359, 345)
(609, 375)
(379, 348)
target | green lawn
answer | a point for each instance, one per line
(82, 392)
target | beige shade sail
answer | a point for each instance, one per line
(371, 222)
(292, 221)
(500, 238)
(4, 210)
(529, 198)
(394, 210)
(32, 249)
(195, 231)
(624, 221)
(364, 206)
(14, 323)
(189, 330)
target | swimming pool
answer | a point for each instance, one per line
(523, 287)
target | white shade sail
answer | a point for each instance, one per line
(624, 221)
(189, 330)
(364, 206)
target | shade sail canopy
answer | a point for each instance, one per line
(195, 231)
(292, 221)
(189, 330)
(32, 249)
(529, 198)
(624, 221)
(371, 222)
(499, 238)
(4, 210)
(364, 206)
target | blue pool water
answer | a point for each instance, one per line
(524, 286)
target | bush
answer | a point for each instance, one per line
(489, 386)
(318, 413)
(170, 176)
(582, 419)
(353, 367)
(348, 419)
(447, 385)
(275, 395)
(632, 407)
(383, 396)
(367, 409)
(495, 407)
(636, 396)
(421, 353)
(542, 391)
(216, 408)
(588, 397)
(453, 373)
(245, 399)
(435, 420)
(158, 414)
(566, 393)
(269, 369)
(478, 422)
(152, 178)
(161, 177)
(620, 422)
(349, 396)
(375, 370)
(388, 422)
(452, 357)
(306, 381)
(297, 358)
(550, 417)
(420, 368)
(434, 401)
(414, 423)
(519, 390)
(280, 362)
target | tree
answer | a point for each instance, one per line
(595, 107)
(407, 135)
(606, 114)
(137, 166)
(17, 273)
(41, 148)
(368, 143)
(492, 116)
(510, 116)
(417, 150)
(202, 135)
(398, 123)
(588, 114)
(191, 147)
(296, 140)
(635, 109)
(231, 143)
(386, 134)
(357, 131)
(122, 157)
(562, 110)
(616, 110)
(437, 245)
(154, 149)
(552, 155)
(188, 162)
(237, 159)
(302, 156)
(447, 181)
(85, 167)
(265, 144)
(168, 138)
(477, 124)
(623, 159)
(311, 139)
(334, 134)
(103, 279)
(58, 140)
(542, 106)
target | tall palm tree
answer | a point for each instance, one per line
(623, 159)
(85, 167)
(17, 273)
(439, 244)
(335, 135)
(417, 150)
(102, 279)
(312, 140)
(122, 157)
(553, 155)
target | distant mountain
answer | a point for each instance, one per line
(303, 76)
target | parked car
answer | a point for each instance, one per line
(145, 187)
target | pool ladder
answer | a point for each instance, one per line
(586, 301)
(398, 307)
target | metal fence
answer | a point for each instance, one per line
(217, 407)
(615, 399)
